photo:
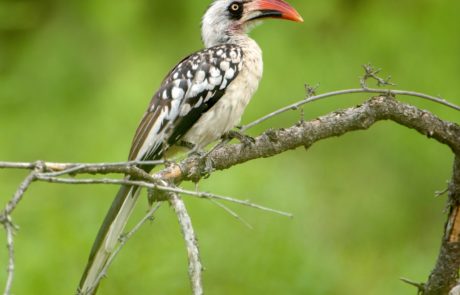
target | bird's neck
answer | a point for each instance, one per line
(241, 40)
(212, 36)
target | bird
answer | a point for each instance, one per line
(201, 99)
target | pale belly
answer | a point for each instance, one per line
(225, 115)
(227, 112)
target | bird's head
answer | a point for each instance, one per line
(225, 19)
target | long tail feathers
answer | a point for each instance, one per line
(107, 238)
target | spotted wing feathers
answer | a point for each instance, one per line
(189, 90)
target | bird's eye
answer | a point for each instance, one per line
(236, 10)
(235, 7)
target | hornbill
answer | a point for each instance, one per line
(201, 99)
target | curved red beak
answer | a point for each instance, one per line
(277, 9)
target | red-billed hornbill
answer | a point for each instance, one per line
(201, 99)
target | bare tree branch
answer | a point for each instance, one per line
(202, 195)
(9, 228)
(5, 219)
(276, 141)
(17, 197)
(232, 213)
(444, 276)
(58, 169)
(371, 73)
(123, 240)
(381, 92)
(194, 267)
(12, 165)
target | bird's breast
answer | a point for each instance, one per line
(227, 112)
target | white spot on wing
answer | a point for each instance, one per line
(210, 86)
(177, 93)
(185, 109)
(235, 56)
(224, 84)
(208, 96)
(174, 109)
(199, 77)
(154, 139)
(214, 72)
(196, 89)
(215, 80)
(230, 74)
(224, 65)
(200, 101)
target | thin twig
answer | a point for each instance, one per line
(310, 90)
(232, 213)
(123, 240)
(16, 165)
(232, 200)
(371, 73)
(5, 219)
(9, 228)
(441, 192)
(68, 168)
(296, 105)
(204, 195)
(420, 286)
(72, 169)
(18, 195)
(194, 267)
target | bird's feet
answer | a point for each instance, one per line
(246, 140)
(196, 152)
(187, 145)
(206, 163)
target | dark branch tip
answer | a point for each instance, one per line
(420, 286)
(311, 90)
(372, 73)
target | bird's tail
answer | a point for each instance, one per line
(107, 238)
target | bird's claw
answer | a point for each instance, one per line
(195, 152)
(208, 167)
(246, 140)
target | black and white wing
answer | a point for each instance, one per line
(188, 91)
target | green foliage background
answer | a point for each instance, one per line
(76, 76)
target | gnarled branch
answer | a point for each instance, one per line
(444, 276)
(306, 133)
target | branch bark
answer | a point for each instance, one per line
(191, 243)
(6, 221)
(444, 276)
(306, 133)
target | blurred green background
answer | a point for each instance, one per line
(76, 76)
